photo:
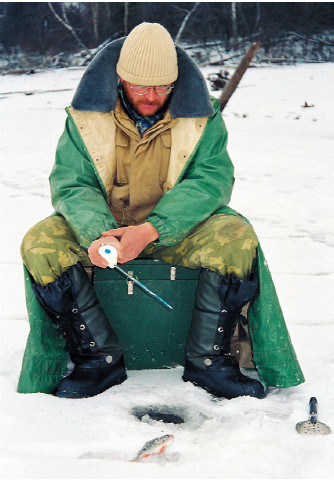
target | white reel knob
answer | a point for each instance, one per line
(110, 254)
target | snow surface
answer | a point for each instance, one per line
(283, 155)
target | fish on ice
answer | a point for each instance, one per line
(152, 447)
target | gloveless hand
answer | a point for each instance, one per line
(133, 239)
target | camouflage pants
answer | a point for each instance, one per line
(225, 244)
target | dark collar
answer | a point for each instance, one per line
(97, 90)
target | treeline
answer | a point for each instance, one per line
(50, 28)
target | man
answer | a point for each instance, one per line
(142, 166)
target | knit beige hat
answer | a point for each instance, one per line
(148, 56)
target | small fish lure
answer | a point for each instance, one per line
(152, 447)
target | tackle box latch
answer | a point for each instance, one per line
(172, 273)
(130, 283)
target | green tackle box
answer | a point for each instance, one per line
(152, 335)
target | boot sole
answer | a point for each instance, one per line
(79, 395)
(207, 389)
(215, 394)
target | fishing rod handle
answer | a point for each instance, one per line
(110, 254)
(313, 409)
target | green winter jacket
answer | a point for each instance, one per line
(80, 185)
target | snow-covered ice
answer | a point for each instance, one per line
(283, 155)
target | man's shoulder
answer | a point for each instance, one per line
(216, 109)
(74, 113)
(84, 119)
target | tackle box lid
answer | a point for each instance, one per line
(147, 269)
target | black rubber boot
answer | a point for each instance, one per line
(91, 376)
(92, 343)
(219, 301)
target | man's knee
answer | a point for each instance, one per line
(225, 244)
(34, 239)
(230, 246)
(49, 248)
(232, 228)
(238, 243)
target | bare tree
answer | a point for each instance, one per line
(64, 21)
(36, 26)
(318, 41)
(184, 22)
(95, 16)
(107, 14)
(126, 18)
(243, 18)
(258, 15)
(234, 21)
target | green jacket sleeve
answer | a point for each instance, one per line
(76, 192)
(204, 186)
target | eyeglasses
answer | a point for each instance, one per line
(143, 90)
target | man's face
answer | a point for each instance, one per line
(148, 104)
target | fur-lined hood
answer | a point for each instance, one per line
(97, 90)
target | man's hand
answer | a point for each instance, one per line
(133, 240)
(93, 250)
